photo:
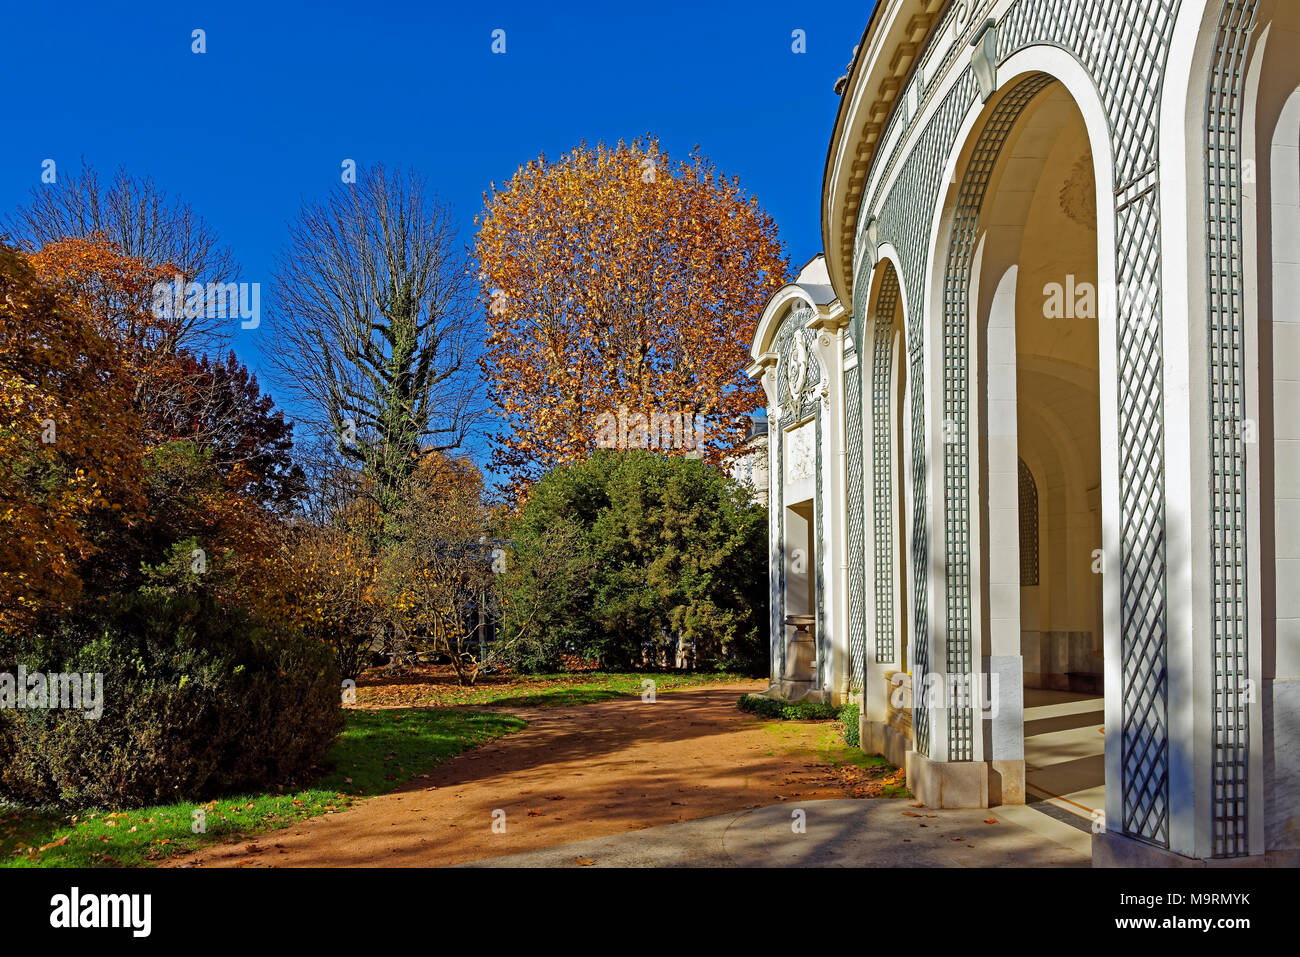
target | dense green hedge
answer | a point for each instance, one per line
(786, 711)
(628, 557)
(198, 701)
(852, 730)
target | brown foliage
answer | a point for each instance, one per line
(437, 567)
(70, 450)
(618, 277)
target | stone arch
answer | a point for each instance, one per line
(883, 396)
(1112, 62)
(962, 604)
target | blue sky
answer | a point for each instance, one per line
(286, 92)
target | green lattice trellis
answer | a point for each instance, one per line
(1123, 45)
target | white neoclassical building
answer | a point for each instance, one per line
(1035, 417)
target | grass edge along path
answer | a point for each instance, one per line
(563, 689)
(377, 752)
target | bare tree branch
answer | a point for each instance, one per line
(374, 330)
(140, 219)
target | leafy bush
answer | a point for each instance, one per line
(849, 719)
(198, 701)
(675, 560)
(787, 711)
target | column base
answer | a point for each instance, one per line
(794, 692)
(1116, 850)
(884, 740)
(950, 784)
(1006, 782)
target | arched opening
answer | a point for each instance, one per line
(888, 395)
(1034, 300)
(887, 721)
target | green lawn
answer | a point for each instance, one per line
(868, 775)
(527, 691)
(410, 730)
(377, 752)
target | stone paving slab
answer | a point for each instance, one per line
(838, 833)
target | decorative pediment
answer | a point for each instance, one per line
(799, 372)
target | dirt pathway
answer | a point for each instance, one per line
(574, 773)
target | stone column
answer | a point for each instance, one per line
(829, 344)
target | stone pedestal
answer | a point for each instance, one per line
(1006, 782)
(797, 681)
(950, 784)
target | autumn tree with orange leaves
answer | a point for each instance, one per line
(69, 444)
(214, 403)
(620, 283)
(116, 292)
(122, 452)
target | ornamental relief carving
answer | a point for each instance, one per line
(798, 370)
(802, 454)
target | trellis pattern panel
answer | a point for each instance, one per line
(963, 19)
(920, 640)
(1123, 45)
(882, 461)
(957, 378)
(1227, 414)
(904, 220)
(1028, 514)
(857, 530)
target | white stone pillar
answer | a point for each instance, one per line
(765, 369)
(829, 343)
(1004, 728)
